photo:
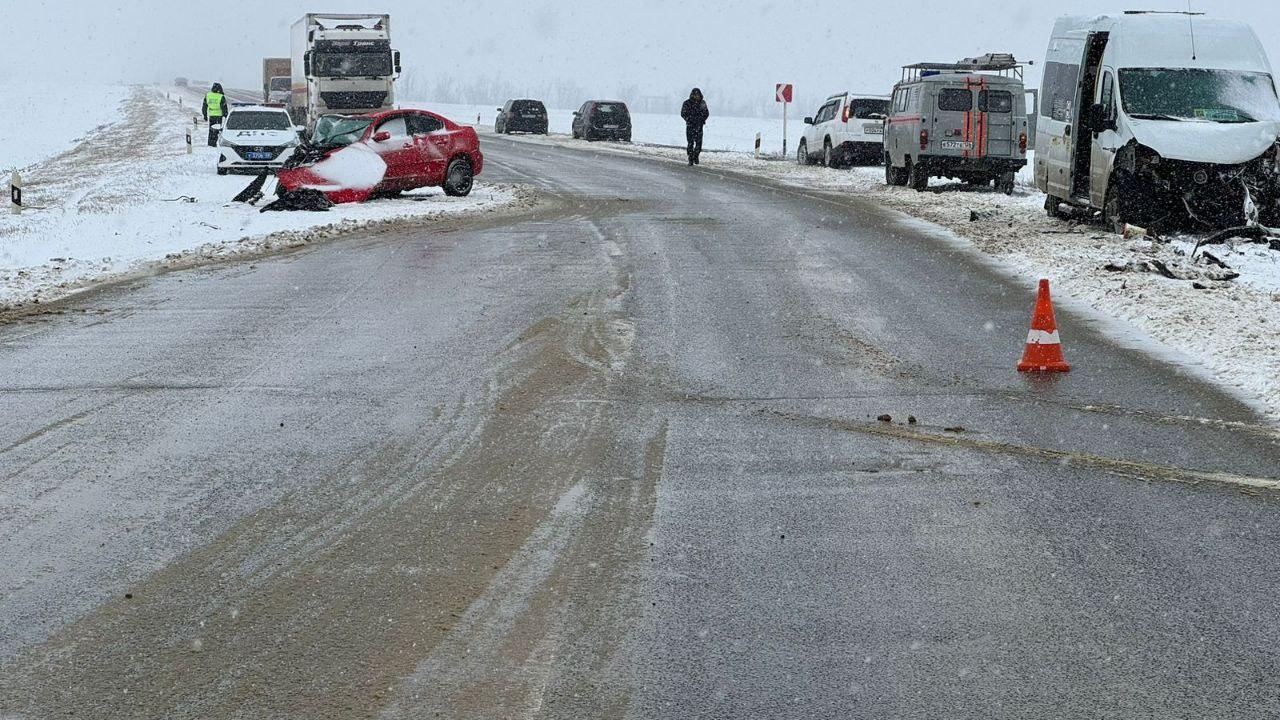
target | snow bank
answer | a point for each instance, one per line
(40, 120)
(1225, 331)
(131, 195)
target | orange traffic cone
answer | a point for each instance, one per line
(1044, 348)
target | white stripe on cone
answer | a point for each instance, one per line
(1040, 337)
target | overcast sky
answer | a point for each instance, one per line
(658, 47)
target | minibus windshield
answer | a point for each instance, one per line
(1223, 96)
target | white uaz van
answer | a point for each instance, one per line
(1164, 120)
(847, 128)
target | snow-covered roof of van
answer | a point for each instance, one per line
(1165, 39)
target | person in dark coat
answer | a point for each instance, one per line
(695, 114)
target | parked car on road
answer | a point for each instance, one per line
(847, 129)
(528, 116)
(353, 158)
(602, 120)
(965, 120)
(255, 138)
(180, 82)
(1138, 125)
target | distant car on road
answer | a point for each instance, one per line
(180, 82)
(528, 116)
(847, 129)
(255, 138)
(602, 120)
(353, 158)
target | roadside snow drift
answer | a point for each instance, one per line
(130, 195)
(34, 123)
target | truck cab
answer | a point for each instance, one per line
(1166, 120)
(342, 64)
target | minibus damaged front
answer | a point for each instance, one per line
(1164, 120)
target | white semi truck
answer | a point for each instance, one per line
(342, 64)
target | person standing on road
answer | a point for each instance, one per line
(695, 114)
(214, 109)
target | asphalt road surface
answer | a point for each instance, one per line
(619, 457)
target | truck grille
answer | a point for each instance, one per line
(353, 100)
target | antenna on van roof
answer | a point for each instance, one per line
(1192, 25)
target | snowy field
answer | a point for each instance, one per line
(129, 195)
(1224, 330)
(31, 126)
(722, 133)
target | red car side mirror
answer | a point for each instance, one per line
(382, 136)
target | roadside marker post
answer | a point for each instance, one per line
(15, 193)
(757, 146)
(188, 142)
(783, 93)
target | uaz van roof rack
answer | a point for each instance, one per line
(1003, 64)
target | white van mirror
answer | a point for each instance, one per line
(808, 121)
(1100, 119)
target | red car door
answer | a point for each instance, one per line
(392, 142)
(434, 146)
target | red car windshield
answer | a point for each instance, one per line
(334, 131)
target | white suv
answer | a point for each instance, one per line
(847, 128)
(255, 138)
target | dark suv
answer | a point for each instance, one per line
(602, 120)
(521, 116)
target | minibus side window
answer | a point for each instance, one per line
(1107, 98)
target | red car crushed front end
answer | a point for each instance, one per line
(352, 159)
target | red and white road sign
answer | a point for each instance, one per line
(783, 93)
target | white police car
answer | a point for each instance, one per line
(255, 138)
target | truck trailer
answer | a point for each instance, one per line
(276, 80)
(342, 64)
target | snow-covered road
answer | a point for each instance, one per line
(1227, 331)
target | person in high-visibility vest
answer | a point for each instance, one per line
(214, 110)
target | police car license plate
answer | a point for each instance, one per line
(258, 155)
(610, 127)
(956, 145)
(529, 116)
(873, 129)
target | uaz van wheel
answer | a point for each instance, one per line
(1006, 183)
(802, 153)
(917, 176)
(892, 175)
(458, 178)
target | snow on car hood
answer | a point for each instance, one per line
(260, 137)
(355, 167)
(1206, 142)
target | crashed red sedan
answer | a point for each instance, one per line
(354, 158)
